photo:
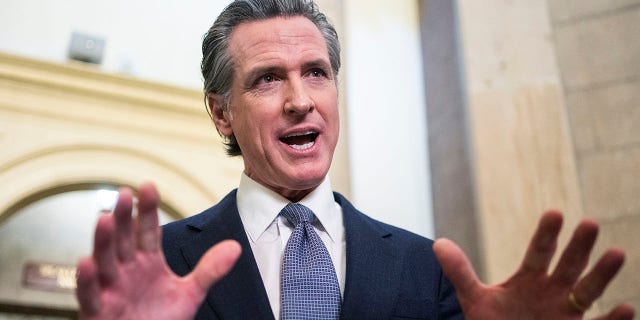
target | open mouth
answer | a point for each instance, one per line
(301, 140)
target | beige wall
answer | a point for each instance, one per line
(65, 125)
(521, 148)
(551, 121)
(598, 49)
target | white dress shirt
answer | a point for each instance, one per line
(268, 232)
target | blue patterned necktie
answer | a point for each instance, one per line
(309, 287)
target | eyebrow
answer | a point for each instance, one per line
(318, 63)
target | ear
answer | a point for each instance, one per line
(221, 118)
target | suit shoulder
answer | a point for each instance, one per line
(176, 232)
(403, 235)
(396, 234)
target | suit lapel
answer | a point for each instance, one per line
(373, 266)
(241, 294)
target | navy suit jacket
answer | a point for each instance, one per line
(390, 273)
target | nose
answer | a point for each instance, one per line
(298, 100)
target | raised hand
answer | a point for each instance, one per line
(532, 292)
(127, 276)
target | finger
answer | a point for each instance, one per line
(458, 269)
(593, 284)
(621, 312)
(88, 289)
(215, 264)
(125, 242)
(148, 231)
(544, 242)
(104, 252)
(576, 256)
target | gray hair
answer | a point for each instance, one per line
(217, 64)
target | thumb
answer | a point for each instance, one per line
(216, 263)
(458, 269)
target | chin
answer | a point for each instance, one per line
(308, 179)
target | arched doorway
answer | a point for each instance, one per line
(41, 239)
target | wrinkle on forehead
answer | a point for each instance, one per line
(272, 36)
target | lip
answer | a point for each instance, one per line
(298, 130)
(302, 133)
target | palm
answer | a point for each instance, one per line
(497, 302)
(532, 292)
(127, 276)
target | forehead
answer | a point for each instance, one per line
(271, 39)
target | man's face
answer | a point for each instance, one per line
(284, 104)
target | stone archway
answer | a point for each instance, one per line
(64, 166)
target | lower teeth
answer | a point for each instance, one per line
(303, 146)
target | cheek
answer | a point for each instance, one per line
(332, 115)
(253, 131)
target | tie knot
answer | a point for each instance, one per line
(296, 213)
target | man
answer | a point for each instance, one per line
(270, 71)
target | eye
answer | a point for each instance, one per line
(265, 79)
(318, 73)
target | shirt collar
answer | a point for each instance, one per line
(259, 206)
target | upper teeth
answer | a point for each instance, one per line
(300, 134)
